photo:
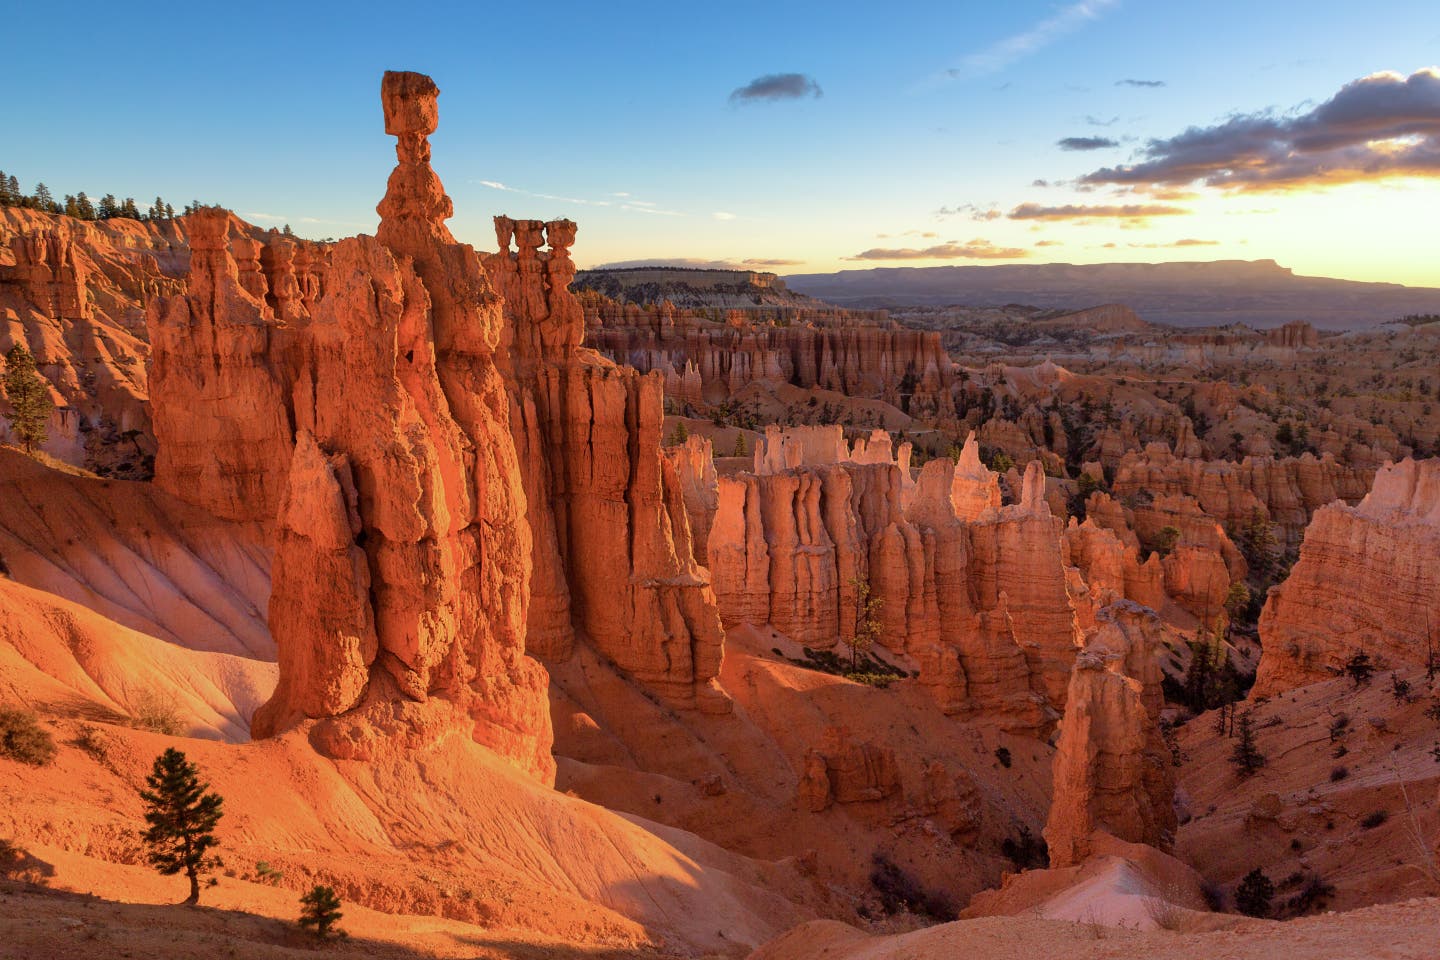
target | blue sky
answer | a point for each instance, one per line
(620, 116)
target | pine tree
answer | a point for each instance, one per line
(1246, 756)
(1360, 668)
(7, 199)
(14, 188)
(182, 819)
(70, 209)
(320, 908)
(169, 212)
(1253, 896)
(157, 210)
(42, 198)
(129, 210)
(740, 448)
(83, 204)
(107, 207)
(29, 398)
(867, 621)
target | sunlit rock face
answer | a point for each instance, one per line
(1367, 578)
(614, 561)
(359, 410)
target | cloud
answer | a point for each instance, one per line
(722, 215)
(971, 210)
(1002, 53)
(1144, 84)
(1080, 211)
(1087, 143)
(1049, 243)
(1381, 126)
(282, 218)
(699, 263)
(1186, 242)
(777, 86)
(974, 250)
(625, 202)
(688, 263)
(1095, 121)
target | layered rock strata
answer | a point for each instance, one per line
(1368, 578)
(1285, 492)
(709, 362)
(1111, 770)
(614, 561)
(975, 593)
(370, 424)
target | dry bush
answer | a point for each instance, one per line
(23, 739)
(18, 865)
(1163, 911)
(157, 712)
(93, 741)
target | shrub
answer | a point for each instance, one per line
(1373, 820)
(1313, 895)
(1163, 911)
(17, 864)
(1214, 896)
(899, 890)
(1003, 755)
(1338, 774)
(320, 908)
(23, 739)
(156, 712)
(1400, 689)
(266, 873)
(1360, 668)
(92, 741)
(1025, 850)
(1252, 897)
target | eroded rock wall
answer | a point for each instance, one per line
(614, 560)
(1368, 578)
(1111, 770)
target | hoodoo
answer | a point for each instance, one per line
(373, 430)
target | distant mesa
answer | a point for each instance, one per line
(1259, 293)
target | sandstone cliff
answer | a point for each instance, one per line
(74, 294)
(975, 593)
(1368, 578)
(1285, 491)
(613, 558)
(710, 362)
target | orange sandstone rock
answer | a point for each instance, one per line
(403, 555)
(1111, 769)
(1368, 578)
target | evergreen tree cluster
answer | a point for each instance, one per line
(80, 205)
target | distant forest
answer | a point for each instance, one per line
(81, 206)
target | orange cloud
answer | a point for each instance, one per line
(1100, 211)
(974, 250)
